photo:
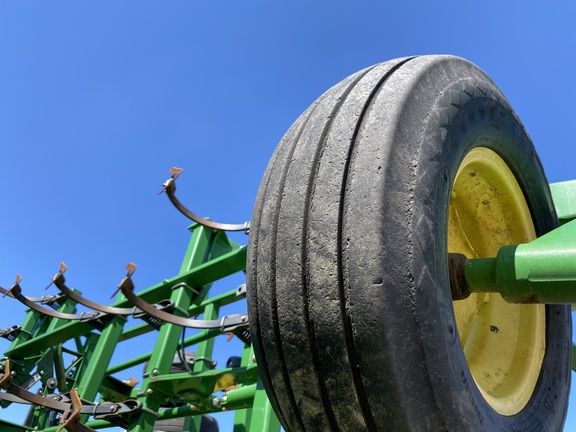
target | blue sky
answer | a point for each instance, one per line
(99, 99)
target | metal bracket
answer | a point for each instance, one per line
(231, 323)
(241, 291)
(10, 333)
(185, 285)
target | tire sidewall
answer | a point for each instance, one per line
(479, 116)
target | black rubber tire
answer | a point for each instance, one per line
(172, 425)
(209, 424)
(348, 292)
(182, 424)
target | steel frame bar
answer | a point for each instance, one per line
(564, 196)
(541, 271)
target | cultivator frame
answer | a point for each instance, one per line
(84, 394)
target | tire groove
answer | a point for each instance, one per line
(254, 240)
(304, 251)
(273, 255)
(342, 285)
(254, 318)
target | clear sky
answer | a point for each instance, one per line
(99, 99)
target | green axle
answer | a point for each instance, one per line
(542, 271)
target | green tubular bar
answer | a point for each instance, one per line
(217, 268)
(542, 271)
(47, 343)
(6, 426)
(264, 418)
(564, 195)
(167, 341)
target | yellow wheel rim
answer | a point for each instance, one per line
(503, 344)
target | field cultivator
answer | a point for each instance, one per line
(408, 268)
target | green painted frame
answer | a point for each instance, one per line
(210, 256)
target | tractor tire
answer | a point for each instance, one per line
(182, 424)
(172, 425)
(209, 424)
(351, 312)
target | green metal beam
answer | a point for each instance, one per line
(169, 334)
(88, 352)
(93, 372)
(198, 338)
(217, 268)
(264, 417)
(6, 426)
(542, 271)
(564, 196)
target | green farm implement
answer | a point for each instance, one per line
(408, 268)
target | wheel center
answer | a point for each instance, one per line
(504, 344)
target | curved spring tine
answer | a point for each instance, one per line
(43, 299)
(170, 189)
(25, 395)
(16, 292)
(127, 288)
(9, 397)
(5, 375)
(71, 416)
(60, 281)
(69, 405)
(35, 399)
(7, 293)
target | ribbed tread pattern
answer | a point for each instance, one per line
(350, 312)
(314, 154)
